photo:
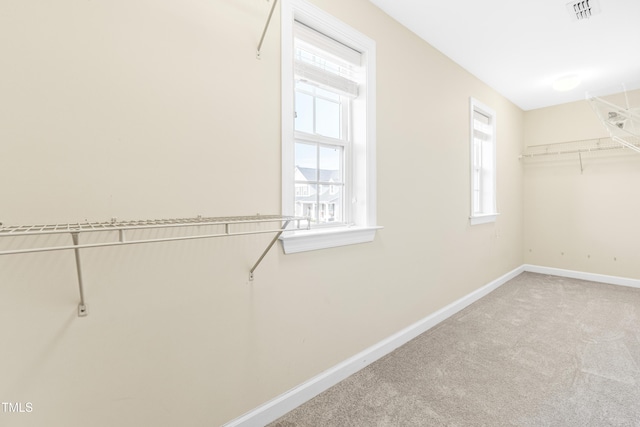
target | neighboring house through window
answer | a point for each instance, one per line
(328, 129)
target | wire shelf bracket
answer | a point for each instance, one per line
(266, 27)
(205, 227)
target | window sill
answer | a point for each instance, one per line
(483, 219)
(311, 240)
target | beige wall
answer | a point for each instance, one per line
(584, 220)
(148, 109)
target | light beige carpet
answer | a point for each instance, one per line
(539, 351)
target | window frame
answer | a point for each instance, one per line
(487, 191)
(361, 171)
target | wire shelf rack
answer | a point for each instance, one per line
(114, 225)
(200, 227)
(583, 147)
(622, 125)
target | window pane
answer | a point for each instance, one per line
(476, 203)
(330, 204)
(304, 56)
(327, 118)
(306, 162)
(304, 113)
(307, 201)
(477, 153)
(304, 87)
(331, 164)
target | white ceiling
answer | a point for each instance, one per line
(520, 47)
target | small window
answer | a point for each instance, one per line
(483, 163)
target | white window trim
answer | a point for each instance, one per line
(302, 241)
(485, 217)
(364, 224)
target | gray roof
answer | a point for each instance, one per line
(326, 175)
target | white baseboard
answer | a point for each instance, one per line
(602, 278)
(274, 409)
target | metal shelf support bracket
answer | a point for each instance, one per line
(268, 248)
(82, 307)
(266, 27)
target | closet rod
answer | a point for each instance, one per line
(266, 26)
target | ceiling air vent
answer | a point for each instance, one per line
(583, 9)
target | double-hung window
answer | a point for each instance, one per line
(483, 163)
(325, 79)
(328, 129)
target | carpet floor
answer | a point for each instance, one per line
(538, 351)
